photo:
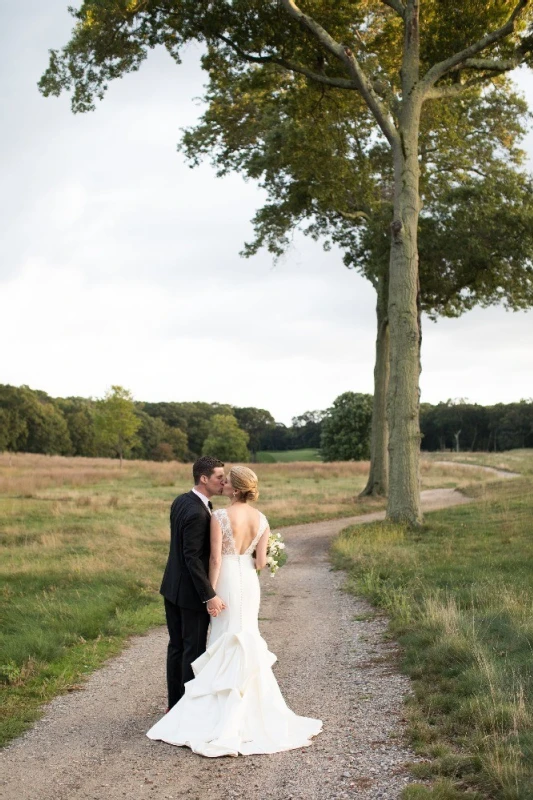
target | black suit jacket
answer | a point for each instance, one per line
(185, 582)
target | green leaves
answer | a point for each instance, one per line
(116, 423)
(479, 245)
(226, 440)
(31, 422)
(346, 428)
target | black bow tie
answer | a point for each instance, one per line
(210, 505)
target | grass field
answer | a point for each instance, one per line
(512, 460)
(83, 549)
(460, 597)
(287, 456)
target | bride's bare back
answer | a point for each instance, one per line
(245, 522)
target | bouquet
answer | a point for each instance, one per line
(276, 555)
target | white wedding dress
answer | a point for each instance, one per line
(234, 704)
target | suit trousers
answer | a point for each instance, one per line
(187, 629)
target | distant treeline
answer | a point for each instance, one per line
(450, 425)
(458, 425)
(32, 421)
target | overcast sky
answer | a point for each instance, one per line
(120, 264)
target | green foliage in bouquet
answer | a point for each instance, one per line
(276, 555)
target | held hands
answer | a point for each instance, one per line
(215, 606)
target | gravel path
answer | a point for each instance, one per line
(334, 663)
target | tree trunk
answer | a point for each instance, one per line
(378, 479)
(456, 436)
(403, 400)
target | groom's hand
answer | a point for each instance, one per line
(215, 606)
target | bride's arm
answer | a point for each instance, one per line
(261, 550)
(215, 558)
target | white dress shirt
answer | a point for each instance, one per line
(203, 498)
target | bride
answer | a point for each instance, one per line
(234, 705)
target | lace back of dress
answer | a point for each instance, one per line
(228, 545)
(228, 542)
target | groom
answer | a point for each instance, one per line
(189, 597)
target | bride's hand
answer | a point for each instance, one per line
(215, 606)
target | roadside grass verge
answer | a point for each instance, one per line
(75, 584)
(459, 594)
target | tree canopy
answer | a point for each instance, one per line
(116, 423)
(226, 440)
(255, 422)
(31, 422)
(110, 39)
(346, 428)
(325, 173)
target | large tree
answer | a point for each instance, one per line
(396, 61)
(325, 174)
(346, 428)
(226, 440)
(256, 422)
(116, 423)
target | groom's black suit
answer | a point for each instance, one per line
(186, 590)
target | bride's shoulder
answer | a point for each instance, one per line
(263, 521)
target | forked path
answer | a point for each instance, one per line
(334, 663)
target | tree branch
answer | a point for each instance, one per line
(490, 64)
(397, 6)
(317, 30)
(339, 83)
(353, 216)
(440, 69)
(374, 103)
(438, 92)
(345, 55)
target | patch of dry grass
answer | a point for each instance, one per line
(512, 460)
(289, 492)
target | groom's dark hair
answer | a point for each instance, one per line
(205, 465)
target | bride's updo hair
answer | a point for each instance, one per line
(244, 480)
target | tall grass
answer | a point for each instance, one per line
(459, 594)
